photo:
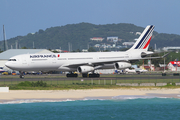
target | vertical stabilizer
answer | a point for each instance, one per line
(144, 39)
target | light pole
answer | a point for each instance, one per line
(164, 63)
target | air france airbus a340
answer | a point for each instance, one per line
(83, 62)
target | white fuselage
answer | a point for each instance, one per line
(61, 61)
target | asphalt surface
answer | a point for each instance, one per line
(59, 77)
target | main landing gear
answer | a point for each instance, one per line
(71, 75)
(94, 75)
(84, 75)
(21, 74)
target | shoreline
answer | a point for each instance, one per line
(64, 95)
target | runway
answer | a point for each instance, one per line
(62, 77)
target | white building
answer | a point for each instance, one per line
(97, 38)
(97, 45)
(128, 43)
(171, 48)
(174, 65)
(84, 50)
(138, 33)
(113, 39)
(105, 71)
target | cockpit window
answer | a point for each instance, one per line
(12, 60)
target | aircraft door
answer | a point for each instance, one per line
(24, 60)
(53, 64)
(53, 60)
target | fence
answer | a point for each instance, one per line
(103, 80)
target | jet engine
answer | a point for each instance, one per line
(122, 65)
(85, 69)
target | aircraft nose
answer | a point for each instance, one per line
(7, 64)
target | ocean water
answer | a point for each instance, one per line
(117, 108)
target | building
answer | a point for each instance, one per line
(174, 65)
(138, 33)
(97, 45)
(148, 67)
(4, 56)
(128, 43)
(105, 71)
(112, 39)
(59, 51)
(84, 50)
(163, 67)
(171, 48)
(97, 38)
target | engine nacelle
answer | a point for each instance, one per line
(85, 69)
(122, 65)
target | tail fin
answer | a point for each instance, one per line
(144, 40)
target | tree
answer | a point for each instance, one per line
(41, 31)
(24, 47)
(91, 49)
(79, 36)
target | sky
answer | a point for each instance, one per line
(21, 17)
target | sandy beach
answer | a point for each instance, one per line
(81, 94)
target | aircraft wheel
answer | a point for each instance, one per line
(75, 75)
(67, 75)
(138, 72)
(84, 75)
(94, 75)
(71, 75)
(21, 76)
(90, 75)
(98, 75)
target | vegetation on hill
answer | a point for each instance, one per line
(78, 35)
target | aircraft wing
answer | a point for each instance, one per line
(93, 63)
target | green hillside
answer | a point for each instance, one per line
(79, 36)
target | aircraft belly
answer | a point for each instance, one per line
(107, 66)
(67, 69)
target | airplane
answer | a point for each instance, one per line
(139, 70)
(135, 70)
(84, 62)
(127, 70)
(2, 70)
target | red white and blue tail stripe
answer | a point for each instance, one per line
(145, 38)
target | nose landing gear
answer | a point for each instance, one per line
(21, 74)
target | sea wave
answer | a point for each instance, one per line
(120, 97)
(32, 101)
(125, 97)
(43, 100)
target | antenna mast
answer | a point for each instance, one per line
(4, 39)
